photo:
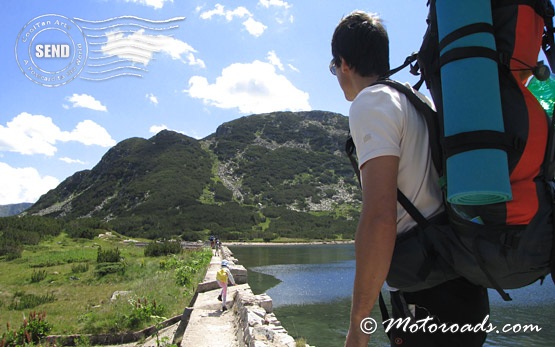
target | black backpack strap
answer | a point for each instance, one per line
(401, 198)
(547, 39)
(350, 150)
(408, 61)
(430, 116)
(385, 312)
(412, 210)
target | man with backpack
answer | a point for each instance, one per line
(391, 140)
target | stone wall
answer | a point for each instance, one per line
(257, 325)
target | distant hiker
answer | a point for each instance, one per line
(212, 243)
(218, 247)
(223, 276)
(393, 152)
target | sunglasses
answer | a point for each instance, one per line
(333, 67)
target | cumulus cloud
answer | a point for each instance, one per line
(37, 134)
(72, 161)
(253, 27)
(86, 101)
(155, 129)
(156, 4)
(152, 98)
(276, 3)
(274, 60)
(219, 10)
(139, 47)
(251, 88)
(282, 14)
(89, 133)
(23, 184)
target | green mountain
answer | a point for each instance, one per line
(13, 209)
(262, 176)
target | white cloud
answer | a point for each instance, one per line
(157, 4)
(72, 161)
(89, 133)
(86, 101)
(140, 47)
(152, 98)
(276, 3)
(23, 184)
(252, 88)
(155, 129)
(283, 16)
(30, 134)
(253, 26)
(274, 60)
(36, 134)
(219, 10)
(294, 68)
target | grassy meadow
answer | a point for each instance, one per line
(63, 277)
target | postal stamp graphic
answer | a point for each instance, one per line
(52, 50)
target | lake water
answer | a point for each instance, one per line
(311, 286)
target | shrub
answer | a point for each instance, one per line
(269, 236)
(184, 275)
(22, 301)
(108, 256)
(300, 342)
(38, 276)
(102, 269)
(192, 235)
(79, 268)
(11, 249)
(155, 249)
(142, 311)
(30, 332)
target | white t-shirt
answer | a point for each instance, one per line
(384, 122)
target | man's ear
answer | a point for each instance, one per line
(344, 66)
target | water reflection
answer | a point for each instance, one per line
(302, 284)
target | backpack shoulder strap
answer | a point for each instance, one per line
(430, 117)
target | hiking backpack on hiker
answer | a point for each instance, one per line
(221, 275)
(501, 245)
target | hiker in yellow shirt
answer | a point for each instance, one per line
(223, 276)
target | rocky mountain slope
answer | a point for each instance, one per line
(269, 175)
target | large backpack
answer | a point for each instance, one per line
(506, 242)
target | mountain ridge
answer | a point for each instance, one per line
(256, 176)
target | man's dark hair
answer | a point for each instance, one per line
(362, 41)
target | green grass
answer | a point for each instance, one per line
(82, 299)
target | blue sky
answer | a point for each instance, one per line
(131, 68)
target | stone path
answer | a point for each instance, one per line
(208, 326)
(204, 324)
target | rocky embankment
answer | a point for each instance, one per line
(250, 320)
